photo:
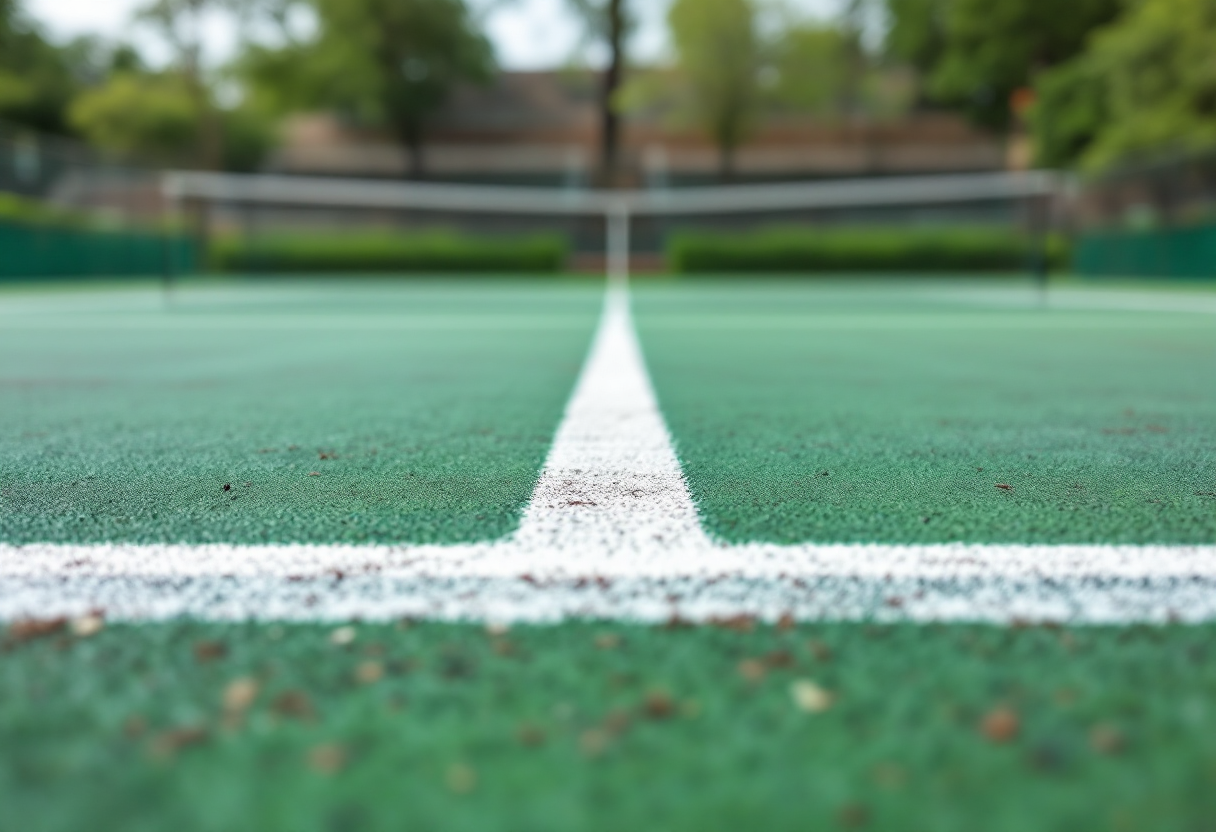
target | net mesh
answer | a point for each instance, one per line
(615, 230)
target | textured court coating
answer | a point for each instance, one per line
(317, 413)
(898, 415)
(598, 727)
(735, 713)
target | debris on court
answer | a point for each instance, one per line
(33, 628)
(617, 721)
(369, 672)
(239, 695)
(293, 704)
(1004, 486)
(739, 623)
(134, 727)
(853, 816)
(1106, 739)
(779, 659)
(659, 705)
(88, 625)
(820, 650)
(328, 758)
(593, 742)
(168, 743)
(1000, 725)
(607, 641)
(530, 734)
(209, 651)
(461, 778)
(810, 697)
(342, 636)
(752, 670)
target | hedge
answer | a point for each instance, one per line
(383, 252)
(855, 249)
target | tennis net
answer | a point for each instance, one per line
(621, 229)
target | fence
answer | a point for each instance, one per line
(1149, 220)
(66, 210)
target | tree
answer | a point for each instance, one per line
(134, 114)
(35, 80)
(610, 22)
(1146, 86)
(718, 55)
(975, 53)
(383, 62)
(810, 70)
(181, 24)
(1070, 109)
(154, 117)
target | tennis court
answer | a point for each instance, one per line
(509, 554)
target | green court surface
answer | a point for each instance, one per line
(422, 412)
(314, 412)
(805, 412)
(605, 726)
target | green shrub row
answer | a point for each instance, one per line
(383, 252)
(858, 250)
(18, 210)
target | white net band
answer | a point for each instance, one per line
(728, 199)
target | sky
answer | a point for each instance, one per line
(527, 34)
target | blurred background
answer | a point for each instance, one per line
(98, 100)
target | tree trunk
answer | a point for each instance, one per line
(209, 145)
(610, 127)
(726, 162)
(212, 145)
(412, 142)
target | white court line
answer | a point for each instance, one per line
(612, 532)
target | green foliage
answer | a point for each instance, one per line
(811, 69)
(1070, 110)
(16, 209)
(854, 249)
(386, 252)
(35, 79)
(975, 53)
(390, 63)
(604, 20)
(249, 134)
(1159, 68)
(824, 69)
(718, 52)
(158, 117)
(732, 72)
(139, 114)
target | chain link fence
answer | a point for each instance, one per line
(1149, 220)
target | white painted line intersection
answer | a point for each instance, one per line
(612, 532)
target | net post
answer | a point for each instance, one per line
(1041, 207)
(617, 218)
(170, 221)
